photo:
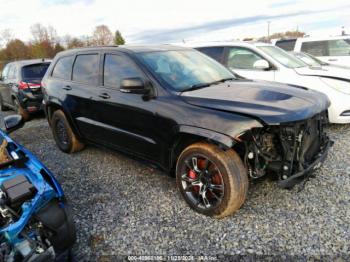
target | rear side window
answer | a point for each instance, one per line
(287, 45)
(5, 72)
(214, 52)
(36, 71)
(63, 68)
(12, 72)
(315, 48)
(86, 69)
(339, 47)
(116, 68)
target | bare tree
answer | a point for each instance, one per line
(6, 36)
(42, 33)
(102, 35)
(73, 42)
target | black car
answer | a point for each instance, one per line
(20, 86)
(186, 113)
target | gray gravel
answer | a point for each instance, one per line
(123, 207)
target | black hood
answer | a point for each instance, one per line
(271, 102)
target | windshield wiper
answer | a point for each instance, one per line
(202, 85)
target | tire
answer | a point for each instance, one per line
(20, 110)
(2, 106)
(63, 134)
(226, 167)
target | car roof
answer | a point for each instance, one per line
(126, 48)
(310, 38)
(226, 43)
(31, 61)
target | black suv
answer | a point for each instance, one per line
(20, 86)
(186, 113)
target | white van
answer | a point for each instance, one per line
(332, 50)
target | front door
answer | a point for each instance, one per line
(127, 120)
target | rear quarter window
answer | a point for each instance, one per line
(63, 68)
(36, 71)
(4, 73)
(287, 45)
(214, 52)
(12, 74)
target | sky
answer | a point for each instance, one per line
(172, 21)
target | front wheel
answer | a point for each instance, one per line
(212, 181)
(63, 134)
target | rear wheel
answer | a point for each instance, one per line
(212, 181)
(63, 134)
(20, 110)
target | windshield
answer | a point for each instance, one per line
(185, 69)
(282, 57)
(36, 71)
(308, 59)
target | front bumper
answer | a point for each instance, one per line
(298, 177)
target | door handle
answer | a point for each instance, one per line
(67, 87)
(104, 95)
(332, 59)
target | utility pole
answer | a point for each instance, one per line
(268, 29)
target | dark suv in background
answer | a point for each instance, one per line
(20, 86)
(185, 112)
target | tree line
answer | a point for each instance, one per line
(45, 42)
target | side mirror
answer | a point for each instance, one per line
(13, 122)
(261, 64)
(133, 86)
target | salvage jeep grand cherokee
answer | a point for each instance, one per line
(185, 112)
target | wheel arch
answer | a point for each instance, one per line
(51, 107)
(188, 135)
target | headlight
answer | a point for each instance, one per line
(341, 86)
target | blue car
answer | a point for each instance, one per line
(35, 220)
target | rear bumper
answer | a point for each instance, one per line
(298, 177)
(30, 102)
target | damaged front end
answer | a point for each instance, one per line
(291, 151)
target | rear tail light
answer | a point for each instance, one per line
(24, 85)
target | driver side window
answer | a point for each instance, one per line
(117, 67)
(242, 58)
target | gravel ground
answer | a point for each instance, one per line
(123, 207)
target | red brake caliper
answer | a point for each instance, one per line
(192, 175)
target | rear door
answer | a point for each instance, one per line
(241, 60)
(336, 51)
(82, 91)
(339, 52)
